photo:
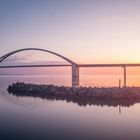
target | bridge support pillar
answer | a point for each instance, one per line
(124, 76)
(75, 75)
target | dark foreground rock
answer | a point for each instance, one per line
(112, 96)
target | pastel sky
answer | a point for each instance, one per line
(86, 31)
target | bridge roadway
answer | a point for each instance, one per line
(78, 65)
(22, 66)
(110, 65)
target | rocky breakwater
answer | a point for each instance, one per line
(82, 95)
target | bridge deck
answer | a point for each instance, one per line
(109, 65)
(22, 66)
(79, 65)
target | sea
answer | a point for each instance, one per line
(27, 118)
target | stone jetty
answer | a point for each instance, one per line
(111, 96)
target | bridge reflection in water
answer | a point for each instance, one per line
(75, 67)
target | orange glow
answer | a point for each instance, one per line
(109, 71)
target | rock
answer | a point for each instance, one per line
(114, 93)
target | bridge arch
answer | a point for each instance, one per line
(75, 67)
(38, 49)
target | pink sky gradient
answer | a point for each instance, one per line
(85, 31)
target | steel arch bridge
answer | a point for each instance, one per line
(75, 68)
(37, 49)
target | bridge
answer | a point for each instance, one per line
(75, 67)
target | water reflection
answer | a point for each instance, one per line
(81, 100)
(33, 117)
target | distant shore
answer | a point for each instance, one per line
(111, 96)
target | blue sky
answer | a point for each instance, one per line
(86, 31)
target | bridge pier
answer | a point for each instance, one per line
(75, 75)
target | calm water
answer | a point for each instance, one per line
(34, 118)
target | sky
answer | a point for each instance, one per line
(85, 31)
